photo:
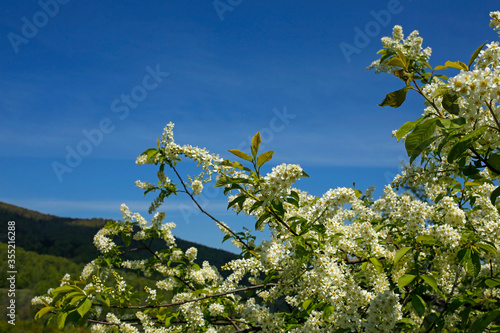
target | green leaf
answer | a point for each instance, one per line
(264, 157)
(440, 91)
(234, 164)
(429, 320)
(464, 143)
(395, 98)
(431, 281)
(240, 200)
(395, 62)
(126, 238)
(481, 323)
(408, 321)
(464, 316)
(61, 320)
(225, 180)
(378, 265)
(85, 307)
(425, 238)
(463, 255)
(77, 299)
(261, 220)
(43, 311)
(457, 65)
(471, 172)
(494, 161)
(492, 283)
(255, 144)
(450, 103)
(475, 54)
(241, 154)
(405, 280)
(494, 195)
(104, 300)
(404, 75)
(150, 153)
(328, 311)
(64, 289)
(487, 248)
(278, 207)
(473, 264)
(401, 252)
(255, 205)
(421, 147)
(439, 68)
(451, 124)
(306, 303)
(407, 127)
(291, 200)
(401, 55)
(418, 304)
(454, 306)
(420, 134)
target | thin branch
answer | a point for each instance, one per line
(439, 114)
(485, 161)
(160, 260)
(205, 212)
(194, 299)
(493, 114)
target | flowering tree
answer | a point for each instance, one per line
(341, 262)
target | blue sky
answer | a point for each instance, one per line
(104, 77)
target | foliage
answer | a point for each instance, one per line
(337, 263)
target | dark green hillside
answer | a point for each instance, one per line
(35, 274)
(73, 238)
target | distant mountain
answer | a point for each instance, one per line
(73, 238)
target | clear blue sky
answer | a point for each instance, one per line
(220, 71)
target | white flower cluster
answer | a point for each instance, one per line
(88, 270)
(102, 242)
(197, 186)
(479, 92)
(274, 254)
(216, 309)
(495, 21)
(151, 294)
(278, 183)
(384, 312)
(411, 47)
(66, 280)
(143, 185)
(191, 253)
(41, 300)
